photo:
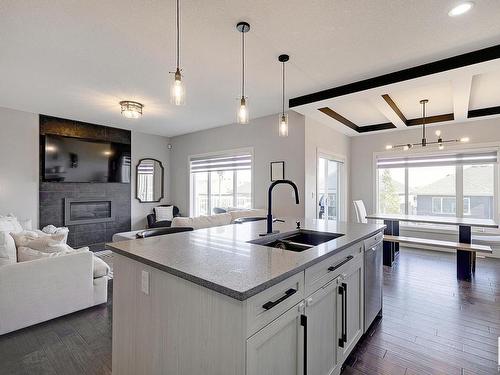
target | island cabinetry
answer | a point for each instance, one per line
(334, 317)
(316, 335)
(306, 324)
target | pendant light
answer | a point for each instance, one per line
(177, 90)
(242, 112)
(424, 143)
(283, 118)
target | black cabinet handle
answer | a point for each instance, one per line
(303, 323)
(269, 305)
(341, 263)
(344, 333)
(341, 339)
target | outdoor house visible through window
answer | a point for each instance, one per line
(452, 184)
(219, 182)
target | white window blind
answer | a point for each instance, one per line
(485, 157)
(219, 163)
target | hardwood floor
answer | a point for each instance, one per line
(432, 324)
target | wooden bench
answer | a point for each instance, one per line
(439, 243)
(471, 248)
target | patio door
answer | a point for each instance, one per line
(329, 197)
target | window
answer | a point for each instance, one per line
(438, 185)
(391, 190)
(220, 181)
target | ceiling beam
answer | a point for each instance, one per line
(455, 62)
(335, 115)
(490, 111)
(359, 129)
(389, 109)
(461, 96)
(394, 107)
(431, 119)
(376, 127)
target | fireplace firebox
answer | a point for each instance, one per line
(88, 210)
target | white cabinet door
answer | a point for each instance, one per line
(322, 356)
(277, 349)
(350, 306)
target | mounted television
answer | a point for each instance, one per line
(68, 159)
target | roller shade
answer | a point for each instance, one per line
(221, 163)
(487, 157)
(146, 167)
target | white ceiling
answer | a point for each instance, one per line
(78, 59)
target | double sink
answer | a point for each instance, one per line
(297, 240)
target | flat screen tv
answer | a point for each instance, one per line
(68, 159)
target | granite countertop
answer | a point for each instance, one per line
(221, 259)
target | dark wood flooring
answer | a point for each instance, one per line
(432, 324)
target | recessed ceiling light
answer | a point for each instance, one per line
(461, 9)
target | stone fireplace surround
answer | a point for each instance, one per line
(54, 195)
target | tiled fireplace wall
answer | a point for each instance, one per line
(53, 194)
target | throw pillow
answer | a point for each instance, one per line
(164, 213)
(7, 249)
(40, 241)
(8, 224)
(26, 254)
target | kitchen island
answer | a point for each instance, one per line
(210, 302)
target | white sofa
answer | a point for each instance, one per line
(34, 291)
(201, 222)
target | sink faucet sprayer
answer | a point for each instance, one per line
(270, 198)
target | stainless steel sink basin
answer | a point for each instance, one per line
(297, 240)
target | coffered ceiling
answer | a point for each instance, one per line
(458, 89)
(78, 59)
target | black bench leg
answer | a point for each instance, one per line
(392, 228)
(464, 258)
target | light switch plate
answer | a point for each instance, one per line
(145, 282)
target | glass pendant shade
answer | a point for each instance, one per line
(242, 113)
(178, 90)
(283, 125)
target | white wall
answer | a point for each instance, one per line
(364, 146)
(321, 138)
(155, 147)
(262, 135)
(19, 164)
(362, 154)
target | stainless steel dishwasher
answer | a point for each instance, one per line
(373, 278)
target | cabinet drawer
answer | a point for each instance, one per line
(264, 307)
(323, 272)
(373, 240)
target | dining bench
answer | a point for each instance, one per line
(471, 248)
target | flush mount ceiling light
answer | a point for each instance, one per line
(461, 8)
(424, 143)
(283, 118)
(131, 109)
(242, 112)
(177, 90)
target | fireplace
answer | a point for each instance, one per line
(88, 211)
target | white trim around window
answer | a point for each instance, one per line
(462, 205)
(228, 153)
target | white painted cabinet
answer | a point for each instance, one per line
(322, 356)
(318, 333)
(307, 323)
(350, 305)
(278, 348)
